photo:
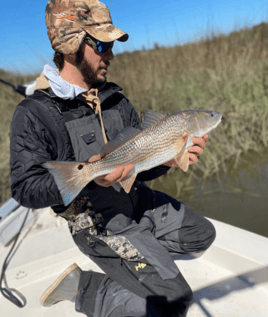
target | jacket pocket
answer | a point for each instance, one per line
(89, 137)
(86, 137)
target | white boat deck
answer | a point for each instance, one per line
(230, 279)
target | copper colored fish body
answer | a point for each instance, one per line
(162, 138)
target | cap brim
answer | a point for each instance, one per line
(107, 33)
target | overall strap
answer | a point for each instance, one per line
(56, 117)
(117, 99)
(61, 107)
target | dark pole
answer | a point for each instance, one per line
(18, 88)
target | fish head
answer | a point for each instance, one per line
(200, 122)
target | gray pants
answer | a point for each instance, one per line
(144, 287)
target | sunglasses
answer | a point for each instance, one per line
(98, 46)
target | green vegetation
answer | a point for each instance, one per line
(228, 74)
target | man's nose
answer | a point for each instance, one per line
(109, 54)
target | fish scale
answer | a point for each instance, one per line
(164, 139)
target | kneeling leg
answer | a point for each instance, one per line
(194, 233)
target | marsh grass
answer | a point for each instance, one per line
(228, 74)
(225, 73)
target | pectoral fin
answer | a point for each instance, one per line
(127, 184)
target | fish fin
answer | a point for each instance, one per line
(181, 145)
(178, 157)
(127, 184)
(123, 136)
(66, 176)
(151, 117)
(183, 162)
(182, 157)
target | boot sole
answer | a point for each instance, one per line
(56, 283)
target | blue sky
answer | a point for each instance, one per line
(25, 47)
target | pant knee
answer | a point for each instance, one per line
(198, 237)
(211, 234)
(176, 289)
(180, 299)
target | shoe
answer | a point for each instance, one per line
(64, 288)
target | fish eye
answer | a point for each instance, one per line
(212, 114)
(80, 166)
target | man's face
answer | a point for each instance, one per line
(93, 65)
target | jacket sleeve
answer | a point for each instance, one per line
(136, 123)
(30, 146)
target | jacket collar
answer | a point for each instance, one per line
(107, 90)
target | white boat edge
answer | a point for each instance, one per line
(229, 279)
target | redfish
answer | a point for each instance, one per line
(161, 139)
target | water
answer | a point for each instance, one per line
(239, 197)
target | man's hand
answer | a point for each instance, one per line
(194, 151)
(118, 175)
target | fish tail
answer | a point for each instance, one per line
(69, 177)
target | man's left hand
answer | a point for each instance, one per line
(194, 151)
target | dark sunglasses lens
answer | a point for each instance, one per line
(103, 47)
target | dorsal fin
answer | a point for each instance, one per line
(151, 117)
(123, 136)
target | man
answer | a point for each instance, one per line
(71, 115)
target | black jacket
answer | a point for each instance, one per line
(38, 134)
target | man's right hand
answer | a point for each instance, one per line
(118, 175)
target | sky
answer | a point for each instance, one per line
(25, 47)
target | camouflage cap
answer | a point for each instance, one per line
(68, 21)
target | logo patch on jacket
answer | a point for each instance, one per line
(140, 266)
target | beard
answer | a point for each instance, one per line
(89, 75)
